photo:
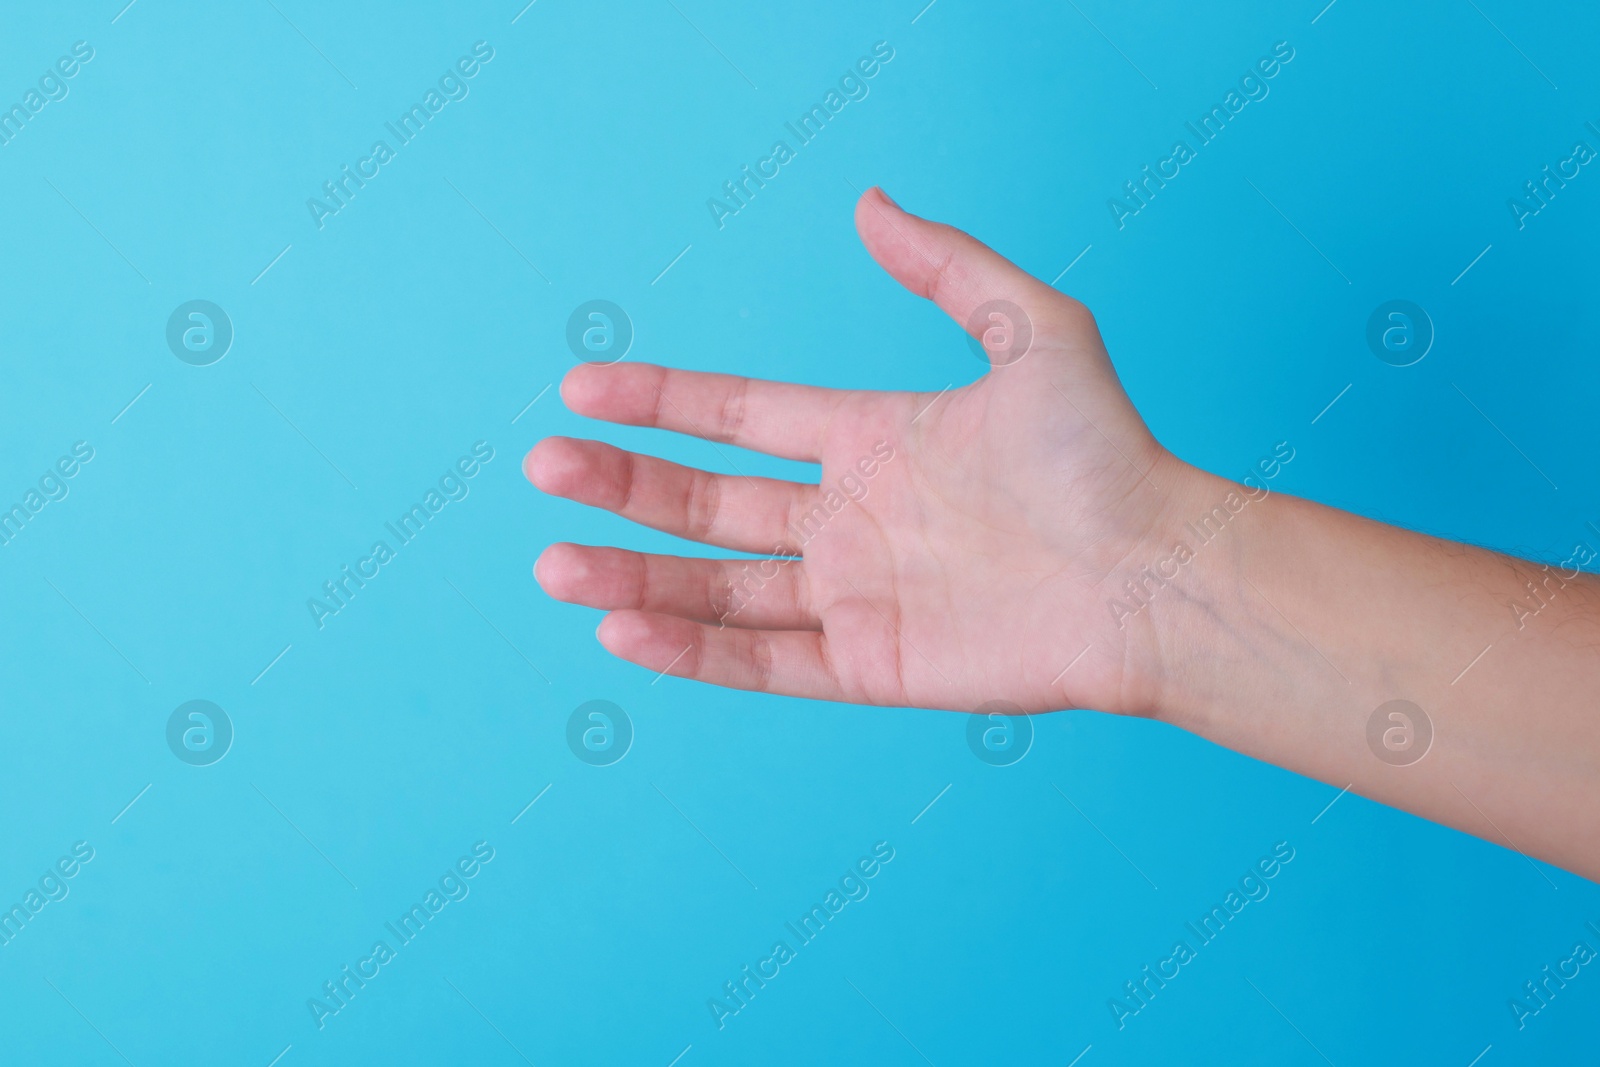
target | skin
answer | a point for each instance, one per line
(986, 559)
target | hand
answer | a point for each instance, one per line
(957, 549)
(967, 547)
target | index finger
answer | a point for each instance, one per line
(778, 418)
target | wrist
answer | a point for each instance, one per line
(1181, 601)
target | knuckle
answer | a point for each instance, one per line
(939, 280)
(719, 597)
(760, 662)
(731, 414)
(694, 660)
(703, 505)
(644, 584)
(799, 591)
(630, 464)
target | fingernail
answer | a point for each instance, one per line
(886, 196)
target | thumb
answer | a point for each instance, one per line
(1001, 305)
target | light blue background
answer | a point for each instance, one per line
(408, 328)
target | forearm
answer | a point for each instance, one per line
(1295, 622)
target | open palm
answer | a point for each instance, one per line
(960, 548)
